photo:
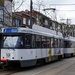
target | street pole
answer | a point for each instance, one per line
(31, 22)
(31, 14)
(67, 27)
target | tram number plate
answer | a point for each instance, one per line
(8, 54)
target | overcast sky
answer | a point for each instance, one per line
(46, 4)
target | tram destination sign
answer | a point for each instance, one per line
(10, 30)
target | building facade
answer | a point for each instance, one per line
(23, 19)
(5, 13)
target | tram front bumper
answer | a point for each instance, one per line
(3, 60)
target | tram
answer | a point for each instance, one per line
(28, 47)
(69, 47)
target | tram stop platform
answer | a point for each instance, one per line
(69, 71)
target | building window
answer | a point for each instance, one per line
(58, 27)
(28, 22)
(24, 20)
(53, 24)
(17, 22)
(1, 16)
(46, 22)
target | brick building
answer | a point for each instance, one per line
(22, 18)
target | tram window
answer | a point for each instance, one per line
(52, 42)
(48, 42)
(62, 44)
(27, 40)
(55, 43)
(33, 41)
(59, 43)
(44, 42)
(69, 44)
(12, 42)
(72, 44)
(66, 44)
(38, 41)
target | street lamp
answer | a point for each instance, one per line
(54, 9)
(49, 9)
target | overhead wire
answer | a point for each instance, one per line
(62, 4)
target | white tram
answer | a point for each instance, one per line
(28, 47)
(69, 47)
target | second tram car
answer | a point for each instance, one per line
(69, 47)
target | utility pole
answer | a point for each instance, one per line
(67, 27)
(31, 14)
(31, 21)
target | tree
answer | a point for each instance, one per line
(17, 4)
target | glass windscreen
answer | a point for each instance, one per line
(12, 42)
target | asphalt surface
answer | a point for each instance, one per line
(63, 67)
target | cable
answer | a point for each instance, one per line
(61, 4)
(65, 10)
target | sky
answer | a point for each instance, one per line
(60, 12)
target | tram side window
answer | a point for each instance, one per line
(33, 41)
(27, 40)
(55, 43)
(66, 44)
(48, 42)
(44, 42)
(62, 43)
(59, 43)
(52, 42)
(70, 44)
(38, 41)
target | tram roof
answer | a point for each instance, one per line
(70, 39)
(31, 31)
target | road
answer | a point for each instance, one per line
(63, 67)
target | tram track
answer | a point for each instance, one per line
(8, 71)
(13, 71)
(63, 72)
